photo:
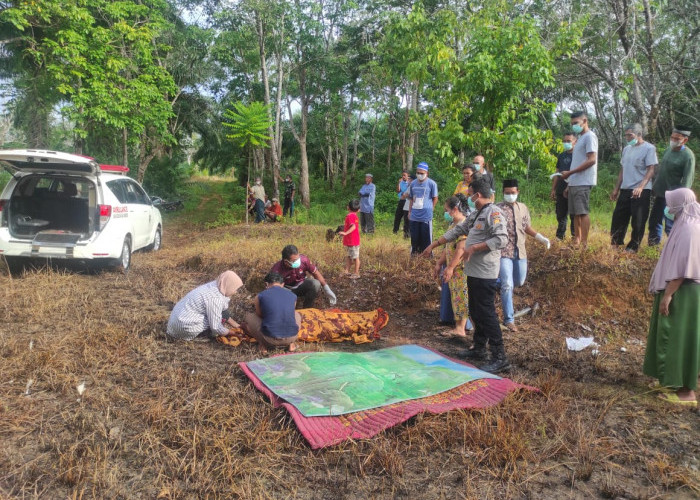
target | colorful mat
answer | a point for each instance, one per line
(327, 325)
(336, 383)
(322, 431)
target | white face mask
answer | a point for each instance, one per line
(510, 198)
(674, 144)
(421, 177)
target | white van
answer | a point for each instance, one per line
(65, 206)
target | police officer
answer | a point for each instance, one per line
(487, 233)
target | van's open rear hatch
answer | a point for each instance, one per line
(36, 161)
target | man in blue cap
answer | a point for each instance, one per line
(422, 196)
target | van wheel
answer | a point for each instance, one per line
(157, 241)
(124, 261)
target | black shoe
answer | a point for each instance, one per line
(474, 354)
(499, 361)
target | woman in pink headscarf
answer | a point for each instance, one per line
(202, 312)
(673, 346)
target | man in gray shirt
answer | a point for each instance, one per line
(487, 233)
(582, 176)
(633, 188)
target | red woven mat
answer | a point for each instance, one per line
(327, 431)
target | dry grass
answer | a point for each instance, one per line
(179, 420)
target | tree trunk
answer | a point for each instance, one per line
(355, 140)
(125, 147)
(411, 146)
(374, 144)
(274, 160)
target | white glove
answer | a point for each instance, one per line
(543, 240)
(331, 296)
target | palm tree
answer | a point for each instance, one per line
(249, 125)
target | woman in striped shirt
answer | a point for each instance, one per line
(201, 312)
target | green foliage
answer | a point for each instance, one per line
(166, 177)
(248, 124)
(485, 97)
(103, 58)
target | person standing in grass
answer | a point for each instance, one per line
(275, 322)
(633, 189)
(289, 190)
(561, 203)
(402, 205)
(582, 176)
(514, 257)
(487, 234)
(367, 193)
(677, 169)
(258, 192)
(351, 240)
(673, 345)
(422, 196)
(202, 313)
(456, 211)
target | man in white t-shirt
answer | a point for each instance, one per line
(582, 176)
(633, 188)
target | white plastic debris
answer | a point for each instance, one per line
(623, 349)
(580, 343)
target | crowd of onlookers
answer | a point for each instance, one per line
(485, 251)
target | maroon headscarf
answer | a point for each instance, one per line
(680, 257)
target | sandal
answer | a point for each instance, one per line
(354, 276)
(672, 397)
(655, 386)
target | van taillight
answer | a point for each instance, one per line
(105, 214)
(2, 219)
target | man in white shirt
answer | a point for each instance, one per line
(582, 176)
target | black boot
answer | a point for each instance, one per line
(499, 361)
(476, 353)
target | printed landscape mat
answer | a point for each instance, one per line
(333, 396)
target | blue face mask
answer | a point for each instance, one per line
(477, 167)
(568, 146)
(633, 142)
(295, 264)
(448, 217)
(668, 214)
(471, 203)
(577, 128)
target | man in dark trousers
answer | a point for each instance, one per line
(561, 204)
(487, 233)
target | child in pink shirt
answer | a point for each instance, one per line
(351, 239)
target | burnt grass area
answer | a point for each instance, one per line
(159, 419)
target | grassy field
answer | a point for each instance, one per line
(180, 420)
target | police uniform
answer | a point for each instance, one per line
(487, 225)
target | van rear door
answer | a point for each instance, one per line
(50, 162)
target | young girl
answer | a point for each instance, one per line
(351, 239)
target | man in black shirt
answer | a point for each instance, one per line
(559, 185)
(289, 189)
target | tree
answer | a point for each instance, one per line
(249, 126)
(104, 59)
